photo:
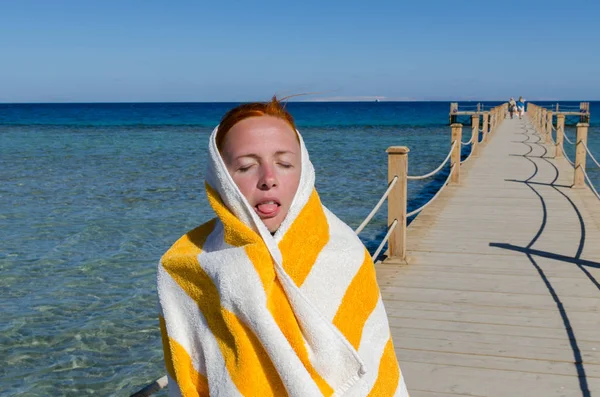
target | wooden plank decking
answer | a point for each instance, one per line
(501, 293)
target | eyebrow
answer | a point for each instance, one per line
(257, 157)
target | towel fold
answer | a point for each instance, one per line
(297, 313)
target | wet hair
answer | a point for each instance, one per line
(274, 108)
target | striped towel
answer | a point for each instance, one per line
(297, 313)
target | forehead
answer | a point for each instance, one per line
(262, 130)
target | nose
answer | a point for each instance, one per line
(268, 179)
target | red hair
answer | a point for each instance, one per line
(274, 108)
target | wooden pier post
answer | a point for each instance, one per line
(475, 134)
(486, 126)
(397, 200)
(543, 129)
(455, 156)
(549, 126)
(560, 130)
(580, 155)
(453, 110)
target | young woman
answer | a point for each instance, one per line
(275, 296)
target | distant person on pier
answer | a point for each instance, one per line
(521, 107)
(512, 107)
(275, 296)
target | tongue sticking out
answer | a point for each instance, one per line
(267, 208)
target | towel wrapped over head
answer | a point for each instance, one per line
(297, 313)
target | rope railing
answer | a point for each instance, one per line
(434, 196)
(591, 184)
(470, 141)
(590, 153)
(377, 206)
(482, 139)
(567, 156)
(369, 217)
(152, 387)
(567, 138)
(385, 239)
(438, 169)
(468, 157)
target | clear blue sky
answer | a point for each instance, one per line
(147, 50)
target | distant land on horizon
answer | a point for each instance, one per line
(324, 100)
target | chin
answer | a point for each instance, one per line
(271, 225)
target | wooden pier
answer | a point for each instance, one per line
(494, 288)
(582, 114)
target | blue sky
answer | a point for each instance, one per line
(115, 51)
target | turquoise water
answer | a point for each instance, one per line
(92, 195)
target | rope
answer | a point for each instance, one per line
(437, 169)
(567, 156)
(385, 239)
(379, 204)
(435, 196)
(152, 387)
(591, 184)
(470, 141)
(468, 157)
(590, 153)
(567, 138)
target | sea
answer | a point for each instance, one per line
(91, 195)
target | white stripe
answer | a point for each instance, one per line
(242, 293)
(375, 335)
(188, 327)
(334, 269)
(401, 390)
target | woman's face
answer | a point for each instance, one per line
(262, 155)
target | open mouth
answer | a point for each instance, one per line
(267, 208)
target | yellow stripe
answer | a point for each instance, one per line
(304, 240)
(299, 251)
(166, 348)
(180, 367)
(282, 312)
(388, 374)
(296, 255)
(359, 301)
(237, 234)
(249, 366)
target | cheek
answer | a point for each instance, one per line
(291, 185)
(246, 184)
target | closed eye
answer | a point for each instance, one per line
(245, 168)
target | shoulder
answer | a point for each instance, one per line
(340, 230)
(191, 243)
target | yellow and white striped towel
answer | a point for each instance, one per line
(297, 313)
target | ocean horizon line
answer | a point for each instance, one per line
(296, 101)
